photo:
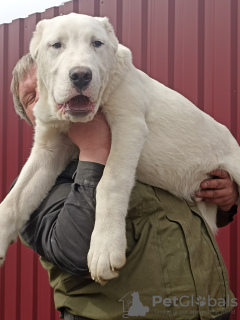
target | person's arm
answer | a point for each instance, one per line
(222, 191)
(60, 230)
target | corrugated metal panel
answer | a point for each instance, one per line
(190, 45)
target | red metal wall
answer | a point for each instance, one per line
(192, 46)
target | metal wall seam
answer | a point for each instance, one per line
(3, 138)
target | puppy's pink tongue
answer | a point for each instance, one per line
(80, 103)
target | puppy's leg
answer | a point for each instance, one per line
(209, 213)
(108, 243)
(49, 156)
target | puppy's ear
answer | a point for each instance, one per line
(110, 31)
(36, 39)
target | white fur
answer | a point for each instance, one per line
(157, 135)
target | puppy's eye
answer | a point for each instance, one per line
(97, 44)
(57, 45)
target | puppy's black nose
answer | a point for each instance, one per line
(80, 77)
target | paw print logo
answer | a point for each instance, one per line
(201, 301)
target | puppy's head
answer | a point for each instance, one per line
(75, 55)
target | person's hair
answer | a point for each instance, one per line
(22, 68)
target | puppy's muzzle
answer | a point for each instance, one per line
(80, 77)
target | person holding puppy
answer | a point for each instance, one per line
(172, 256)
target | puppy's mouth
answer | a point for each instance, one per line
(79, 105)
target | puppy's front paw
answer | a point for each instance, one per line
(107, 255)
(5, 241)
(2, 259)
(8, 235)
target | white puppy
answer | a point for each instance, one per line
(157, 134)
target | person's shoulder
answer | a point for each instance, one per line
(68, 173)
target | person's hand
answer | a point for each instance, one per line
(93, 139)
(221, 190)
